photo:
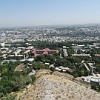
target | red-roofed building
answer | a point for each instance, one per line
(44, 51)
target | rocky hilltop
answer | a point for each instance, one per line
(53, 87)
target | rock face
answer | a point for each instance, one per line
(51, 87)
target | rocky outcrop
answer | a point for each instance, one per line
(52, 87)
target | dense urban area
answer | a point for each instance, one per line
(51, 34)
(74, 50)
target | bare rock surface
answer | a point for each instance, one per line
(52, 87)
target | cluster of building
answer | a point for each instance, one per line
(92, 79)
(51, 34)
(85, 50)
(22, 53)
(9, 53)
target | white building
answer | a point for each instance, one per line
(90, 79)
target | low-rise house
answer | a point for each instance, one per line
(65, 51)
(30, 59)
(63, 69)
(17, 52)
(57, 69)
(30, 48)
(47, 63)
(88, 55)
(44, 51)
(91, 79)
(4, 50)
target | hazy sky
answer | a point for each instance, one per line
(48, 12)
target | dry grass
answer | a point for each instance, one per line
(56, 87)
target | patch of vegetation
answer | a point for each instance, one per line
(11, 80)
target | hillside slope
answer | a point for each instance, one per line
(51, 87)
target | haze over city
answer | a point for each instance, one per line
(48, 12)
(49, 49)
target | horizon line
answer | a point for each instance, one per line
(48, 25)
